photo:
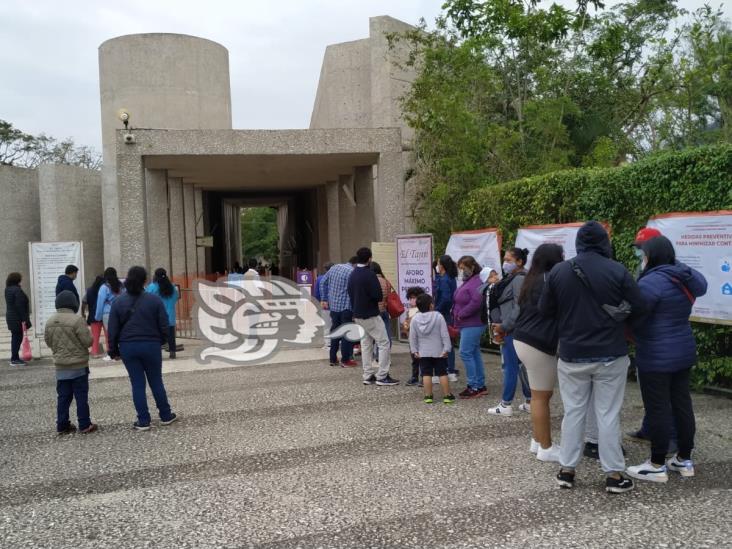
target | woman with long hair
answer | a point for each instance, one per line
(17, 312)
(466, 317)
(446, 273)
(665, 354)
(89, 309)
(535, 340)
(504, 310)
(108, 293)
(162, 287)
(138, 326)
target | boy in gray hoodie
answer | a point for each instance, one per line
(429, 341)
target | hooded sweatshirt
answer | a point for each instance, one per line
(586, 332)
(68, 336)
(428, 335)
(65, 283)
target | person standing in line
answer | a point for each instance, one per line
(466, 317)
(364, 291)
(68, 337)
(66, 281)
(386, 289)
(138, 326)
(252, 273)
(318, 280)
(89, 311)
(108, 293)
(430, 342)
(535, 339)
(162, 287)
(412, 294)
(504, 310)
(445, 286)
(17, 313)
(590, 297)
(665, 354)
(334, 298)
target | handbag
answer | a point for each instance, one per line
(619, 313)
(25, 348)
(394, 305)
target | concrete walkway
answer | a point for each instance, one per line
(299, 454)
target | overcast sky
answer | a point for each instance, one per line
(49, 64)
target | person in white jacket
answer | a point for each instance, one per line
(429, 342)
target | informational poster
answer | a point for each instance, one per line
(483, 244)
(384, 253)
(414, 263)
(703, 240)
(48, 261)
(533, 236)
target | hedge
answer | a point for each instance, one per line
(625, 197)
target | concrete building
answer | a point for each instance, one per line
(180, 173)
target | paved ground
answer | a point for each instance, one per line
(303, 455)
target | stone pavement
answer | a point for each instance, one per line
(299, 454)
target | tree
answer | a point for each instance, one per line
(259, 235)
(18, 148)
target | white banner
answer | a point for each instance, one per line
(483, 244)
(703, 240)
(414, 263)
(48, 260)
(533, 236)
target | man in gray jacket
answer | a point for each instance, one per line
(429, 342)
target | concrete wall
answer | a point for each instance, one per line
(19, 222)
(70, 200)
(164, 81)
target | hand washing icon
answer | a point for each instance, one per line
(727, 289)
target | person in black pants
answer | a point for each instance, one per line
(138, 326)
(665, 354)
(17, 312)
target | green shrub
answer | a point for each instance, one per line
(625, 197)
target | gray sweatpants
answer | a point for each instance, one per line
(605, 382)
(374, 334)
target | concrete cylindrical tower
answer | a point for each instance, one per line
(164, 81)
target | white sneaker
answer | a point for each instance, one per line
(646, 471)
(550, 454)
(501, 410)
(107, 358)
(452, 377)
(525, 407)
(683, 467)
(435, 380)
(534, 446)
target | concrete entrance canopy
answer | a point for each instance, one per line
(345, 185)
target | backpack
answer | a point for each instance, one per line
(494, 299)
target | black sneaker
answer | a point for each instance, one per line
(638, 435)
(370, 381)
(565, 478)
(172, 419)
(448, 399)
(137, 426)
(412, 381)
(388, 380)
(592, 450)
(618, 485)
(335, 364)
(18, 363)
(70, 428)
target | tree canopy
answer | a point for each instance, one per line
(259, 236)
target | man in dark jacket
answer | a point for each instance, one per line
(364, 291)
(593, 353)
(66, 281)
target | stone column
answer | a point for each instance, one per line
(322, 253)
(365, 206)
(177, 227)
(189, 220)
(334, 227)
(348, 219)
(132, 229)
(200, 230)
(156, 188)
(390, 209)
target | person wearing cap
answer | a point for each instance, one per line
(68, 336)
(644, 234)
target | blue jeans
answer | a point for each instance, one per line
(470, 354)
(512, 371)
(337, 319)
(144, 362)
(68, 390)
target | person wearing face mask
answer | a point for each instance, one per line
(665, 354)
(504, 310)
(466, 317)
(445, 287)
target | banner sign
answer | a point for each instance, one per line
(483, 244)
(414, 263)
(48, 261)
(533, 236)
(703, 240)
